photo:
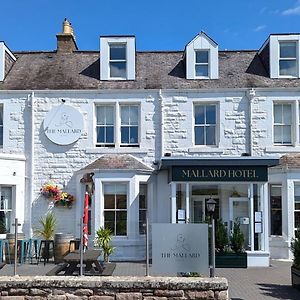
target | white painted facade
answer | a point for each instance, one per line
(62, 164)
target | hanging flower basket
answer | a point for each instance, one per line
(54, 193)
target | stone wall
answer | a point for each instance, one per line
(113, 288)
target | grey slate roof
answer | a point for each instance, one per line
(165, 70)
(117, 162)
(291, 161)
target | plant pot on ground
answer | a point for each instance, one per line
(295, 269)
(46, 232)
(103, 240)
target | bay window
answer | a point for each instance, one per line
(297, 206)
(142, 208)
(276, 209)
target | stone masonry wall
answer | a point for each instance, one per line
(113, 288)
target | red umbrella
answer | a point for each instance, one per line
(85, 220)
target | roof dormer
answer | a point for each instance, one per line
(280, 55)
(201, 55)
(7, 60)
(117, 58)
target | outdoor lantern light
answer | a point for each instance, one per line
(211, 205)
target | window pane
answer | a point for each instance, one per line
(202, 71)
(125, 135)
(1, 135)
(288, 50)
(109, 201)
(277, 134)
(109, 115)
(210, 135)
(117, 52)
(142, 196)
(297, 219)
(118, 69)
(125, 115)
(288, 67)
(142, 222)
(199, 114)
(121, 223)
(134, 135)
(202, 57)
(1, 115)
(276, 210)
(210, 114)
(287, 114)
(121, 189)
(101, 115)
(109, 220)
(100, 135)
(121, 201)
(277, 113)
(109, 134)
(199, 135)
(134, 115)
(286, 131)
(5, 221)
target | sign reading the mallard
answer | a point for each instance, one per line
(221, 173)
(63, 125)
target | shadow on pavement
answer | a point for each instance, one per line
(278, 291)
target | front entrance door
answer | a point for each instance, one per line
(239, 212)
(198, 209)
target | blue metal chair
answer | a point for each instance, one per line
(33, 249)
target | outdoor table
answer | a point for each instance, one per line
(90, 260)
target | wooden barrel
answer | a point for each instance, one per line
(11, 241)
(61, 246)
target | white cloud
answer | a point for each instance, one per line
(259, 28)
(292, 11)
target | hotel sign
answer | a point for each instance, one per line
(222, 173)
(63, 125)
(179, 248)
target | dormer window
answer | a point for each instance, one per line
(117, 61)
(202, 58)
(117, 58)
(288, 59)
(201, 63)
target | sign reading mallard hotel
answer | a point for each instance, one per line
(222, 173)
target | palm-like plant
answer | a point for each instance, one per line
(102, 240)
(295, 247)
(48, 226)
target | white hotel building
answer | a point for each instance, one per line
(162, 131)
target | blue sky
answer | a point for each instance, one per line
(157, 24)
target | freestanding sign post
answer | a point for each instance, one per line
(180, 248)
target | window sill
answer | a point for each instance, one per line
(205, 149)
(283, 149)
(115, 150)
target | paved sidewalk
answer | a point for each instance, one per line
(244, 284)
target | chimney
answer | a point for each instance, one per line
(66, 40)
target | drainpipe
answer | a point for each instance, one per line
(31, 159)
(250, 95)
(160, 99)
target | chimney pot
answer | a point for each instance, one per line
(66, 40)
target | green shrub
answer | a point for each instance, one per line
(221, 237)
(237, 238)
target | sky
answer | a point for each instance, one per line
(32, 25)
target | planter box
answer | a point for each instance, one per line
(295, 275)
(231, 260)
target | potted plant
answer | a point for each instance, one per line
(46, 232)
(103, 240)
(295, 269)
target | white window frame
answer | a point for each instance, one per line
(117, 60)
(296, 58)
(206, 125)
(10, 210)
(115, 209)
(202, 64)
(1, 126)
(143, 209)
(296, 183)
(130, 125)
(105, 144)
(117, 124)
(283, 124)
